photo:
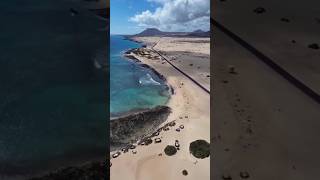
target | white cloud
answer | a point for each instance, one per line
(176, 15)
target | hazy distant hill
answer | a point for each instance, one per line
(200, 33)
(157, 32)
(151, 32)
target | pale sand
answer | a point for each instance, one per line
(284, 121)
(188, 100)
(274, 37)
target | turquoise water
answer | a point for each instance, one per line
(52, 107)
(131, 85)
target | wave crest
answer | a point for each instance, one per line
(148, 80)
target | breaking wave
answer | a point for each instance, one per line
(148, 80)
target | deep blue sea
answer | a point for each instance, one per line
(52, 99)
(131, 85)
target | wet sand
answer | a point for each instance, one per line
(283, 32)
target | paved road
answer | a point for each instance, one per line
(178, 69)
(268, 61)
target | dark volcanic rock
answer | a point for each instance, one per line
(129, 128)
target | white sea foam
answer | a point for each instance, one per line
(148, 80)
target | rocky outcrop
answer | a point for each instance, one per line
(132, 127)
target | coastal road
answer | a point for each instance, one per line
(178, 69)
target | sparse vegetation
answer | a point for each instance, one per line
(170, 150)
(200, 149)
(185, 172)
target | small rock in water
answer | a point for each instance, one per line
(178, 129)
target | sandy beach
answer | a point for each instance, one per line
(190, 106)
(264, 126)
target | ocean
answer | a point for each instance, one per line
(53, 111)
(132, 87)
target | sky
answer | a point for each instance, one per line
(133, 16)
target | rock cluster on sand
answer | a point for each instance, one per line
(127, 129)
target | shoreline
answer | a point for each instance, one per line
(124, 117)
(128, 55)
(190, 112)
(130, 129)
